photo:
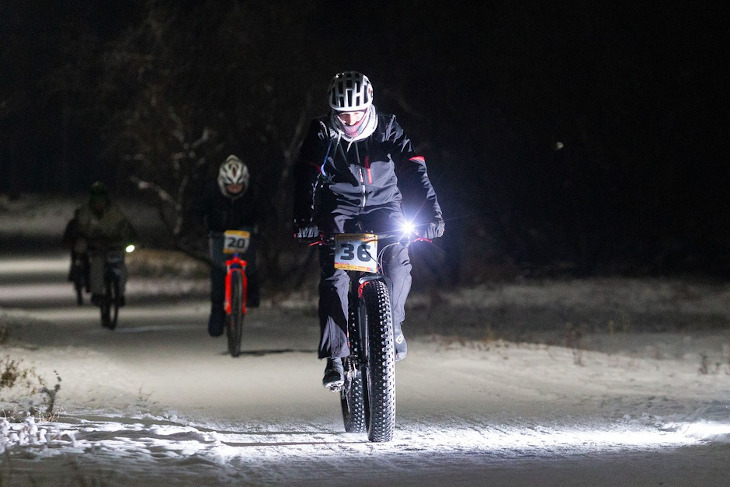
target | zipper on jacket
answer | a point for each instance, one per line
(362, 176)
(363, 200)
(362, 186)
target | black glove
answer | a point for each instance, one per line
(434, 229)
(307, 231)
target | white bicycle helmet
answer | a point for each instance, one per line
(233, 171)
(350, 91)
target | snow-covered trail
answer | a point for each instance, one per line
(158, 401)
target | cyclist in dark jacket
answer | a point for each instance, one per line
(227, 204)
(103, 227)
(79, 261)
(358, 167)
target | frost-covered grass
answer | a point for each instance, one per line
(170, 264)
(24, 393)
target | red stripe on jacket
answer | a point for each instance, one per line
(367, 166)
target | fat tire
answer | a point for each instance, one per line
(114, 303)
(105, 305)
(234, 322)
(380, 378)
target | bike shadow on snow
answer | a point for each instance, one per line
(271, 351)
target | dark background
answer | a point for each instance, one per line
(563, 138)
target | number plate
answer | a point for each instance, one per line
(236, 241)
(356, 252)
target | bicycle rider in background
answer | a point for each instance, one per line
(357, 166)
(102, 226)
(79, 262)
(228, 203)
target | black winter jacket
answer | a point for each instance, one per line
(379, 170)
(222, 213)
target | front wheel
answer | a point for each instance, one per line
(380, 379)
(110, 302)
(234, 321)
(105, 307)
(115, 302)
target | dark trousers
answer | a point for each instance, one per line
(334, 283)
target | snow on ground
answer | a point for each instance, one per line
(565, 382)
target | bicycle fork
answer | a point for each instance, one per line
(236, 264)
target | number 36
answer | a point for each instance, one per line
(348, 252)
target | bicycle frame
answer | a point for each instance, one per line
(112, 266)
(235, 243)
(367, 397)
(235, 264)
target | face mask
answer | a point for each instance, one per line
(359, 131)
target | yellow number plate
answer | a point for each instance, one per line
(236, 241)
(356, 252)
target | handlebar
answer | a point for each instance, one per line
(105, 247)
(252, 230)
(329, 238)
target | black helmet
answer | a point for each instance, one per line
(98, 190)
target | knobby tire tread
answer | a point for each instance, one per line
(234, 326)
(105, 305)
(114, 311)
(380, 379)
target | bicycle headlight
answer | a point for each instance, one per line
(129, 249)
(408, 228)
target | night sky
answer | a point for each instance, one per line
(588, 137)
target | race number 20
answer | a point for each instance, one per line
(236, 241)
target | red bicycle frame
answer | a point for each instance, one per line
(236, 264)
